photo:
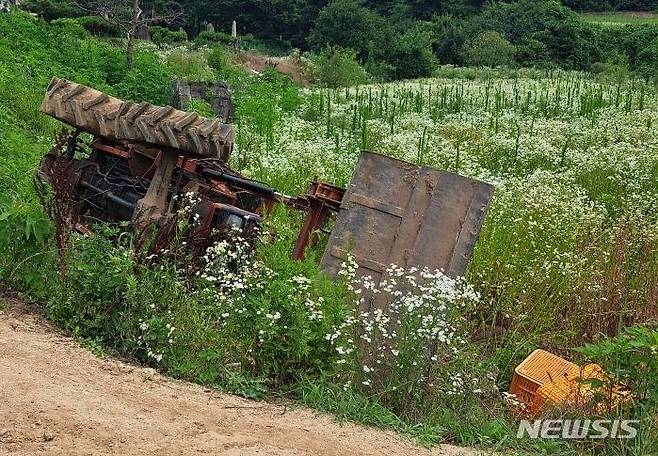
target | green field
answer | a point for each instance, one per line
(622, 18)
(568, 255)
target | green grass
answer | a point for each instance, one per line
(348, 405)
(622, 18)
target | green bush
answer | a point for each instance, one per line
(490, 49)
(190, 65)
(615, 68)
(582, 46)
(162, 35)
(52, 9)
(611, 71)
(649, 59)
(532, 52)
(209, 38)
(378, 69)
(271, 47)
(412, 56)
(69, 26)
(449, 34)
(25, 232)
(217, 59)
(348, 24)
(209, 329)
(524, 18)
(100, 27)
(339, 67)
(631, 358)
(635, 41)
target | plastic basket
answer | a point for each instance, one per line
(538, 369)
(575, 390)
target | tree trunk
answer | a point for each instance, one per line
(134, 25)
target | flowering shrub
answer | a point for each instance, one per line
(407, 339)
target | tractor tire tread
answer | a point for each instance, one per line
(102, 115)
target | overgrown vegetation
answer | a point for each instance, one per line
(404, 40)
(567, 259)
(338, 67)
(489, 49)
(162, 35)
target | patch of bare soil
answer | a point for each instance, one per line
(57, 398)
(285, 65)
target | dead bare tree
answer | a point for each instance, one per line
(130, 18)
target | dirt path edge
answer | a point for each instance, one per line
(57, 398)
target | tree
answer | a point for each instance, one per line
(412, 56)
(490, 49)
(347, 24)
(287, 20)
(130, 17)
(567, 39)
(449, 36)
(424, 9)
(338, 67)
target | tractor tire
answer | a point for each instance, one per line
(165, 127)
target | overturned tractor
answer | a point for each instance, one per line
(143, 158)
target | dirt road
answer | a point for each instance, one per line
(57, 398)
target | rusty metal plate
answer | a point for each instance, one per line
(395, 212)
